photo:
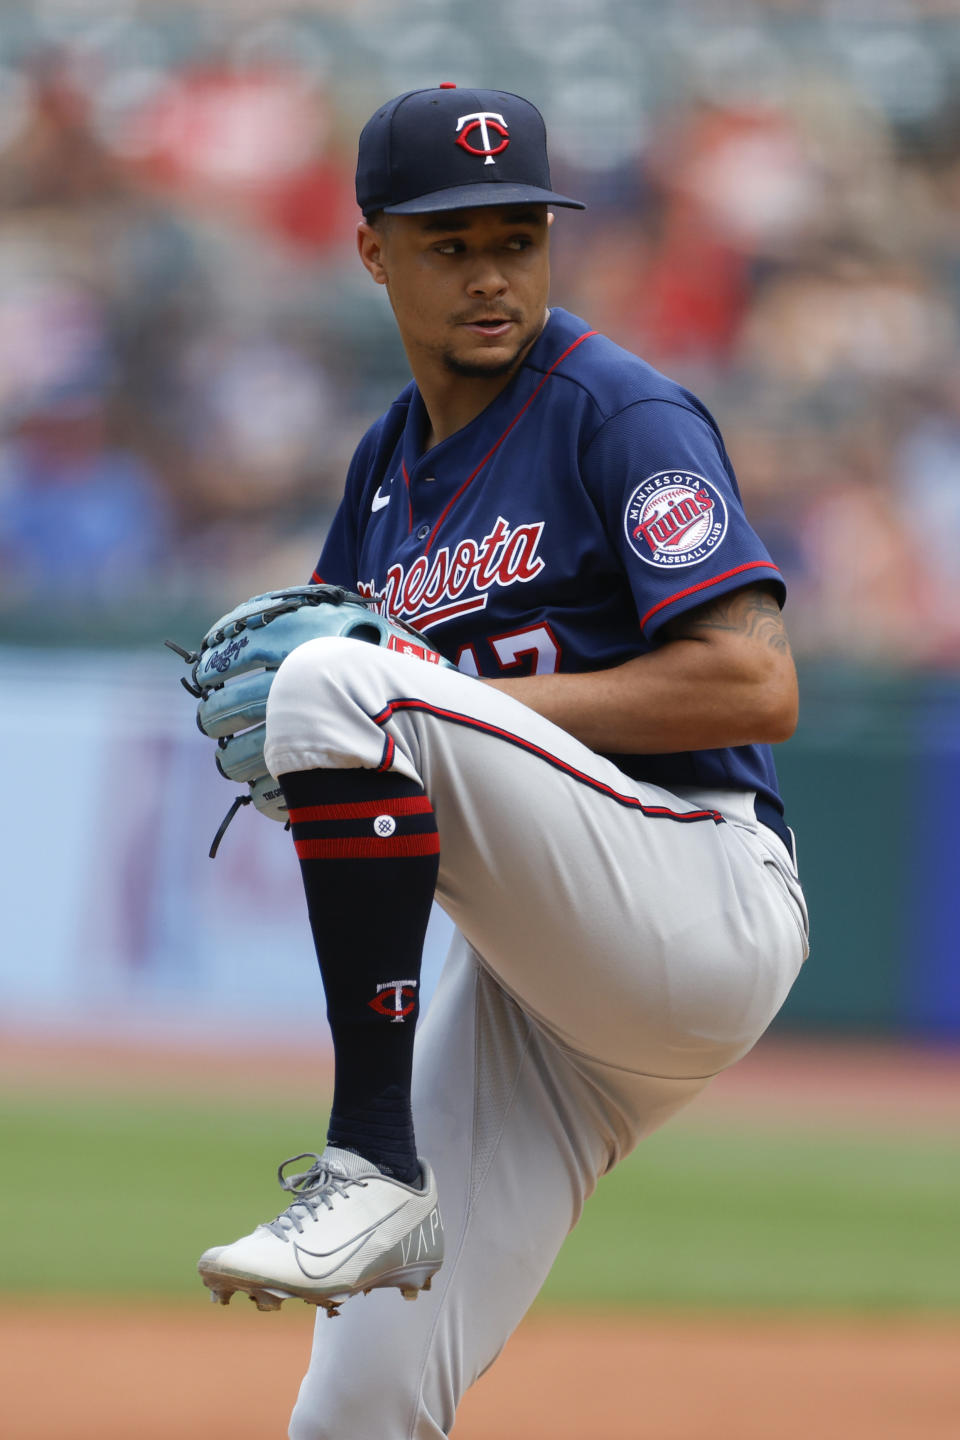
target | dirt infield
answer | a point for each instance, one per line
(83, 1372)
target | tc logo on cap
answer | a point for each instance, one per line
(484, 121)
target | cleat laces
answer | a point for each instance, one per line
(319, 1185)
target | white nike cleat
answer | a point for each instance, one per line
(350, 1229)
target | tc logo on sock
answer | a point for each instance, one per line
(395, 999)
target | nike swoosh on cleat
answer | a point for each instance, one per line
(378, 501)
(337, 1255)
(340, 1260)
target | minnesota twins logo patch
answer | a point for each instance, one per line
(674, 519)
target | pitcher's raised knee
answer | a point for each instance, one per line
(322, 708)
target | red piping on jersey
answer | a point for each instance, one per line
(362, 809)
(406, 477)
(315, 579)
(368, 847)
(705, 585)
(654, 812)
(433, 533)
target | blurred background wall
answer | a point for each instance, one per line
(189, 351)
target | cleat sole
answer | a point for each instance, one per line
(265, 1301)
(409, 1281)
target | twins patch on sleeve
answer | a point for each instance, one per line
(674, 519)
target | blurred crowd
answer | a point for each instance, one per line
(189, 349)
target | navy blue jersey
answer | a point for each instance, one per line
(590, 502)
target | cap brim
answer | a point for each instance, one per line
(466, 197)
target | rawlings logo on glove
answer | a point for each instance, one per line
(220, 659)
(233, 670)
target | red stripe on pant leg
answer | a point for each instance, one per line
(362, 809)
(656, 812)
(369, 847)
(388, 751)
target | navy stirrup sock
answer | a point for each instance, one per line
(369, 855)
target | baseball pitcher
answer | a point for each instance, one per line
(535, 677)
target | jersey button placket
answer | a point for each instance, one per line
(424, 530)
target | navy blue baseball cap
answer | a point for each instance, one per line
(450, 149)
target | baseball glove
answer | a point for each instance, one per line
(232, 672)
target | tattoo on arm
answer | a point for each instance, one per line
(752, 612)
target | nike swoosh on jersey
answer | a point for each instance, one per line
(378, 501)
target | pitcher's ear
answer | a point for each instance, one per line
(370, 249)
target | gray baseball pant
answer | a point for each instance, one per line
(611, 957)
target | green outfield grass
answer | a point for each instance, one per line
(119, 1197)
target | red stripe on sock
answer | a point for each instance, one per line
(369, 847)
(362, 809)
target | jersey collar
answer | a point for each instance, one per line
(467, 446)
